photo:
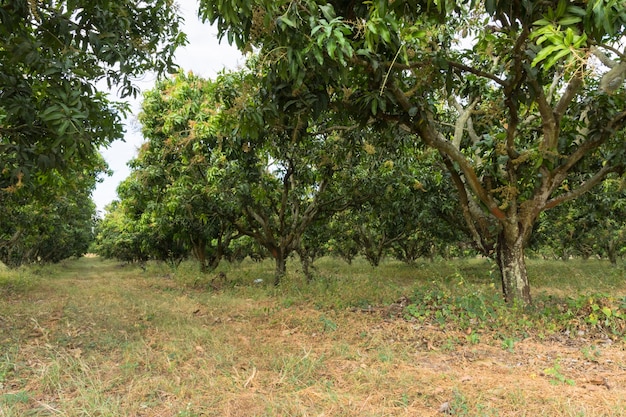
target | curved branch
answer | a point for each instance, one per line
(478, 72)
(584, 187)
(548, 120)
(570, 92)
(423, 127)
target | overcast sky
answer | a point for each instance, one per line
(203, 55)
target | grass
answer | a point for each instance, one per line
(96, 338)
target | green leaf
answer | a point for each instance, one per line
(328, 11)
(561, 8)
(287, 21)
(569, 37)
(374, 107)
(330, 47)
(544, 53)
(569, 20)
(317, 54)
(386, 35)
(555, 58)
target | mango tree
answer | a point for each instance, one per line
(513, 94)
(52, 54)
(180, 162)
(590, 225)
(53, 119)
(288, 171)
(54, 224)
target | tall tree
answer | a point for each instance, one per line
(513, 94)
(180, 163)
(52, 54)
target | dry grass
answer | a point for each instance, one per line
(91, 338)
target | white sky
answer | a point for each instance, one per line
(203, 55)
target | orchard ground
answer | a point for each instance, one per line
(90, 337)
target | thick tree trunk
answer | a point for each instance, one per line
(611, 251)
(281, 268)
(510, 257)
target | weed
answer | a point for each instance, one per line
(385, 355)
(473, 338)
(591, 353)
(459, 405)
(329, 325)
(508, 344)
(556, 377)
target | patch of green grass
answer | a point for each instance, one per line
(17, 281)
(576, 275)
(556, 376)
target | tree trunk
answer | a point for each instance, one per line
(510, 257)
(306, 261)
(612, 251)
(281, 267)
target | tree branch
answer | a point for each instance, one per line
(570, 92)
(478, 72)
(548, 121)
(423, 127)
(464, 117)
(584, 187)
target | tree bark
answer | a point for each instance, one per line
(611, 250)
(510, 257)
(281, 267)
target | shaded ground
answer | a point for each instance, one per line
(95, 339)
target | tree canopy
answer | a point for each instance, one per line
(52, 54)
(53, 118)
(525, 101)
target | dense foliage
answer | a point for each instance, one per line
(53, 119)
(199, 183)
(336, 137)
(524, 100)
(57, 223)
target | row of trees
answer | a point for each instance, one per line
(56, 223)
(197, 188)
(523, 100)
(523, 104)
(197, 185)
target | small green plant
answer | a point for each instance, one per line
(329, 325)
(458, 405)
(404, 400)
(591, 353)
(473, 338)
(508, 344)
(556, 376)
(385, 355)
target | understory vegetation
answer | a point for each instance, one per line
(93, 337)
